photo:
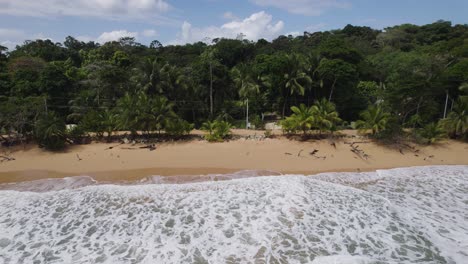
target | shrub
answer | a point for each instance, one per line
(268, 133)
(217, 130)
(430, 133)
(289, 125)
(178, 127)
(76, 134)
(50, 131)
(392, 130)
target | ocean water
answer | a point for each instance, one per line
(406, 215)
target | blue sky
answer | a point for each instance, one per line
(178, 22)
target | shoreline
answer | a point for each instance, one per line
(129, 162)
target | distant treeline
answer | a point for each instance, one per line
(417, 74)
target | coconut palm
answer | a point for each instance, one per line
(209, 58)
(244, 81)
(456, 124)
(325, 115)
(161, 109)
(173, 81)
(50, 131)
(296, 79)
(109, 122)
(431, 133)
(128, 113)
(303, 117)
(209, 126)
(374, 118)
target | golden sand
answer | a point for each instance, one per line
(129, 162)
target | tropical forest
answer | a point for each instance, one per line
(403, 81)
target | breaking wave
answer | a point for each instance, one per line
(405, 215)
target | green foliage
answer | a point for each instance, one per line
(456, 123)
(124, 85)
(178, 127)
(430, 133)
(325, 115)
(322, 116)
(375, 118)
(76, 134)
(50, 131)
(217, 130)
(18, 116)
(301, 119)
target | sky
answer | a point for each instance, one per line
(180, 22)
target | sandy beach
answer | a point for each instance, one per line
(129, 162)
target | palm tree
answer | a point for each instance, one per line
(50, 131)
(109, 122)
(295, 77)
(128, 113)
(431, 133)
(456, 124)
(464, 89)
(374, 118)
(209, 57)
(303, 117)
(145, 119)
(148, 76)
(173, 81)
(326, 116)
(246, 84)
(161, 109)
(244, 81)
(209, 126)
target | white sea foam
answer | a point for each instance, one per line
(394, 216)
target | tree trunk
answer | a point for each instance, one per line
(247, 115)
(211, 90)
(284, 105)
(446, 103)
(331, 91)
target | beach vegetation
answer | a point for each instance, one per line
(387, 83)
(50, 131)
(456, 123)
(373, 119)
(430, 133)
(321, 116)
(218, 130)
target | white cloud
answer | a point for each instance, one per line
(303, 7)
(230, 16)
(115, 35)
(294, 33)
(110, 9)
(258, 25)
(149, 33)
(11, 37)
(316, 27)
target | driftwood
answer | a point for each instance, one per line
(78, 157)
(313, 152)
(6, 158)
(358, 152)
(151, 147)
(357, 142)
(111, 147)
(315, 156)
(287, 153)
(299, 154)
